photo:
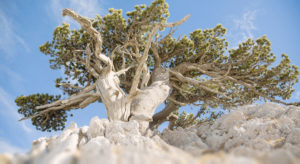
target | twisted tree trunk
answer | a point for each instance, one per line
(141, 106)
(113, 97)
(148, 99)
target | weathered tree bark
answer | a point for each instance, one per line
(113, 97)
(149, 98)
(142, 106)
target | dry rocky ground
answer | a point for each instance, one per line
(268, 133)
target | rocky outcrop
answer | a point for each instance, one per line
(269, 133)
(101, 142)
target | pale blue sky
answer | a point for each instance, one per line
(26, 24)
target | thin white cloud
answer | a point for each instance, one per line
(246, 24)
(6, 147)
(87, 8)
(9, 110)
(9, 39)
(243, 28)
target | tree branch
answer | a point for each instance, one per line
(142, 61)
(79, 60)
(146, 76)
(257, 92)
(123, 71)
(89, 100)
(71, 102)
(196, 83)
(107, 61)
(176, 23)
(161, 116)
(176, 102)
(156, 57)
(87, 25)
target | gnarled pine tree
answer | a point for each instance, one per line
(131, 67)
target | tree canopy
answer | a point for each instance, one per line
(202, 70)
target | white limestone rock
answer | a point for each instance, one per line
(84, 130)
(253, 131)
(60, 149)
(38, 146)
(186, 140)
(97, 127)
(269, 133)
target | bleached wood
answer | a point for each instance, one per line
(113, 97)
(142, 61)
(149, 98)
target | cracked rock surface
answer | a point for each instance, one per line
(269, 133)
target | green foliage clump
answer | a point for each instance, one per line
(185, 119)
(53, 120)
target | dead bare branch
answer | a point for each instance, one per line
(146, 76)
(123, 71)
(142, 61)
(87, 25)
(71, 102)
(176, 23)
